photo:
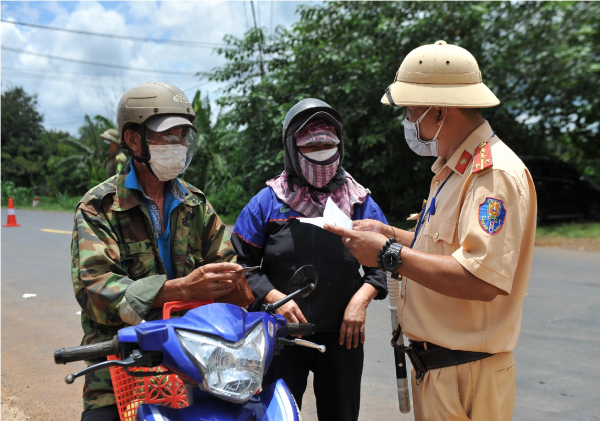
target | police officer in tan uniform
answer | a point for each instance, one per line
(466, 266)
(116, 159)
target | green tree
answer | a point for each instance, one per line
(209, 170)
(23, 154)
(540, 58)
(89, 154)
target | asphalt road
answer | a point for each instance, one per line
(558, 373)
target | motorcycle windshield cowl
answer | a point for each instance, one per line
(231, 371)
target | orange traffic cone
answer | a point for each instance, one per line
(11, 220)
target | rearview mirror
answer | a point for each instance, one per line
(303, 277)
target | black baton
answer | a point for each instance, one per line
(399, 357)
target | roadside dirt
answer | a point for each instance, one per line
(582, 244)
(9, 411)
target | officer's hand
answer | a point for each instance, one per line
(353, 326)
(364, 245)
(212, 280)
(372, 225)
(290, 310)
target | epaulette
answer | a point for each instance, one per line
(483, 157)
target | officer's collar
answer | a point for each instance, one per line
(463, 155)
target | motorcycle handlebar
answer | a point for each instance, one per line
(303, 329)
(87, 352)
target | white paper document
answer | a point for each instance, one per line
(332, 215)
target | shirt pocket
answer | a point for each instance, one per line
(193, 260)
(139, 261)
(441, 234)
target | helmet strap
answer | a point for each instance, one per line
(389, 97)
(145, 157)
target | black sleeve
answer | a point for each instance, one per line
(378, 279)
(249, 255)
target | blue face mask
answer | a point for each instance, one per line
(415, 143)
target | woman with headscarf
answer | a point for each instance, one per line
(269, 234)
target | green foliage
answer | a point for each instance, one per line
(24, 148)
(90, 154)
(209, 170)
(570, 230)
(541, 59)
(23, 198)
(46, 162)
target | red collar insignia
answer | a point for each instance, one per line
(463, 161)
(483, 157)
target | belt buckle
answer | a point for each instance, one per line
(412, 355)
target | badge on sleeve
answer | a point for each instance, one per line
(492, 215)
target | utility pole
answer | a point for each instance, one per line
(262, 69)
(271, 28)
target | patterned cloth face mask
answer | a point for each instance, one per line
(319, 172)
(415, 143)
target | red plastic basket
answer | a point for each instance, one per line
(132, 391)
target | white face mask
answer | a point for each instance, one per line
(167, 161)
(323, 155)
(415, 143)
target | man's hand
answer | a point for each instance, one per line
(353, 326)
(205, 283)
(212, 280)
(289, 310)
(363, 245)
(372, 225)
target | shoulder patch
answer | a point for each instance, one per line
(463, 162)
(492, 215)
(483, 157)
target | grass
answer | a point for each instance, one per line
(570, 230)
(62, 203)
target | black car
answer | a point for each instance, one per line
(562, 193)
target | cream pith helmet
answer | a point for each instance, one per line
(439, 75)
(111, 135)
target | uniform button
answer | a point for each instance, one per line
(437, 183)
(402, 295)
(436, 235)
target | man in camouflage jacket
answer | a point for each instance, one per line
(119, 272)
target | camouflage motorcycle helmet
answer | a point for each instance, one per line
(157, 105)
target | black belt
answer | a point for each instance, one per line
(426, 356)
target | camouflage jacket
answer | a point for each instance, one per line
(115, 260)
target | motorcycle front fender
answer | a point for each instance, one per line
(274, 403)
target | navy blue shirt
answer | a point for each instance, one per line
(267, 233)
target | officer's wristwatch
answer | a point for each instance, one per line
(389, 256)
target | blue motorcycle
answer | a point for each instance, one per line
(220, 352)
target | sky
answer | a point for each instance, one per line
(67, 91)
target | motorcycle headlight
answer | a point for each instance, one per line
(233, 371)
